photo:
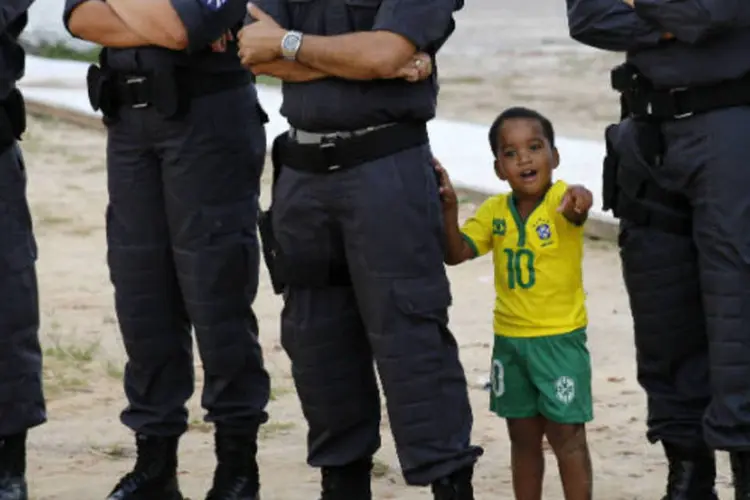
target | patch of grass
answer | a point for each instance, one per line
(267, 80)
(61, 51)
(82, 231)
(270, 429)
(66, 368)
(199, 425)
(77, 354)
(279, 392)
(379, 468)
(114, 451)
(114, 370)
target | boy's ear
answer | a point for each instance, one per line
(499, 170)
(555, 158)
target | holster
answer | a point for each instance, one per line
(271, 250)
(12, 119)
(101, 83)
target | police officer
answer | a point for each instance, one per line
(676, 175)
(357, 220)
(186, 145)
(21, 398)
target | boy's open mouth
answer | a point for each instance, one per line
(528, 174)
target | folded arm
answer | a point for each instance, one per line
(401, 29)
(692, 21)
(95, 21)
(288, 71)
(10, 10)
(611, 25)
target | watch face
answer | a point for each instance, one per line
(291, 41)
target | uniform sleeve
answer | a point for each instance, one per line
(277, 9)
(425, 23)
(10, 10)
(692, 21)
(477, 230)
(611, 25)
(70, 6)
(206, 20)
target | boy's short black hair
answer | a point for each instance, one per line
(520, 112)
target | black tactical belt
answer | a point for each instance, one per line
(640, 100)
(140, 91)
(338, 153)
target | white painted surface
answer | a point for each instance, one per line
(461, 147)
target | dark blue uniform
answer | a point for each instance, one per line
(375, 227)
(21, 399)
(685, 247)
(183, 180)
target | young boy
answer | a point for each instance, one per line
(541, 371)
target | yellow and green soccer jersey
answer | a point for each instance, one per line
(538, 265)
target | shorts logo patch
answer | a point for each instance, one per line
(213, 4)
(497, 378)
(565, 390)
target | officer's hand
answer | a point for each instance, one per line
(576, 201)
(260, 41)
(447, 193)
(630, 2)
(417, 69)
(220, 45)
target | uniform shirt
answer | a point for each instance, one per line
(205, 21)
(538, 265)
(335, 104)
(13, 19)
(712, 37)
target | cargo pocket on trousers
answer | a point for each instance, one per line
(417, 328)
(362, 14)
(221, 263)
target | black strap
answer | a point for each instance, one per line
(639, 98)
(342, 153)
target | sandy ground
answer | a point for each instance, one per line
(503, 53)
(83, 448)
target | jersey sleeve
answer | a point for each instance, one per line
(477, 230)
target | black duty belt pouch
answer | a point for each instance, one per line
(12, 119)
(609, 172)
(341, 153)
(642, 100)
(271, 253)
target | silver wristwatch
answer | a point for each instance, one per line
(290, 45)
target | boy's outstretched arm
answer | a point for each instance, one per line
(576, 203)
(457, 249)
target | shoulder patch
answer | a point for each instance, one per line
(213, 4)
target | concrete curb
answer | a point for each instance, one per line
(597, 228)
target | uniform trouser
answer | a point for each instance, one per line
(384, 218)
(690, 295)
(21, 398)
(183, 251)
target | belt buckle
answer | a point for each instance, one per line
(133, 83)
(328, 145)
(675, 94)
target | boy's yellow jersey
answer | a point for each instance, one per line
(538, 265)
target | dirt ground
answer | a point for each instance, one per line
(83, 448)
(503, 53)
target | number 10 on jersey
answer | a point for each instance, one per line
(520, 265)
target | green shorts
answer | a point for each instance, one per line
(548, 376)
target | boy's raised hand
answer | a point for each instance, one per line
(576, 203)
(447, 193)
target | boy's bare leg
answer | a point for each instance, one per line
(527, 457)
(568, 441)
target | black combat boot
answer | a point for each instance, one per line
(154, 476)
(13, 467)
(692, 473)
(741, 474)
(457, 486)
(236, 475)
(348, 482)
